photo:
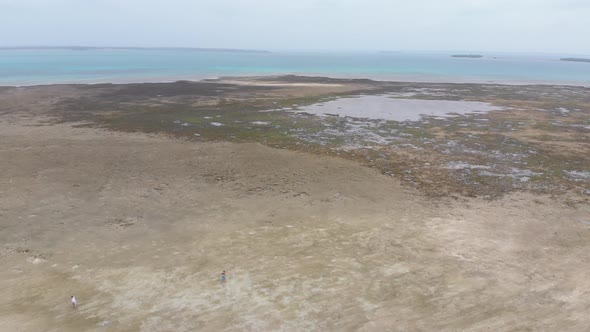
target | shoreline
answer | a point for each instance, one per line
(220, 78)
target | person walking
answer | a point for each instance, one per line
(223, 277)
(74, 302)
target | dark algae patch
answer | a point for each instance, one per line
(536, 139)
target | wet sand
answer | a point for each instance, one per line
(139, 226)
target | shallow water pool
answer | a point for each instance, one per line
(385, 107)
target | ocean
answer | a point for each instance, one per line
(50, 66)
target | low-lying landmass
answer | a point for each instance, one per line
(330, 204)
(472, 56)
(575, 59)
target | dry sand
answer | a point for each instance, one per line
(139, 228)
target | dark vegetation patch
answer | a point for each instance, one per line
(533, 145)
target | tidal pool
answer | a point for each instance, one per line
(384, 107)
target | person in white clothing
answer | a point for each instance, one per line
(74, 302)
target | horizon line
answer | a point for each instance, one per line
(255, 50)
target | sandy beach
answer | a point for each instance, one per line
(138, 223)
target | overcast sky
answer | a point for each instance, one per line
(552, 26)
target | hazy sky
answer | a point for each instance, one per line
(555, 26)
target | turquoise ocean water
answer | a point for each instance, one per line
(47, 66)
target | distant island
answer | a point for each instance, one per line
(575, 59)
(471, 56)
(88, 48)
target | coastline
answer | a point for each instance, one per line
(376, 78)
